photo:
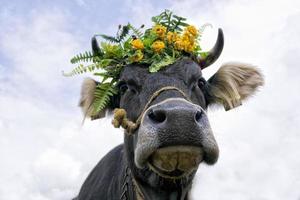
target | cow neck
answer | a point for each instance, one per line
(146, 192)
(132, 190)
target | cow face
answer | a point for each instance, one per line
(175, 136)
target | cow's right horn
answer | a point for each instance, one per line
(214, 53)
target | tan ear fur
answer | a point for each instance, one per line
(233, 83)
(87, 98)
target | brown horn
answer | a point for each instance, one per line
(214, 53)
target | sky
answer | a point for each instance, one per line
(46, 153)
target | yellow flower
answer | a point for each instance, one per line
(185, 43)
(172, 37)
(159, 30)
(178, 44)
(138, 55)
(192, 30)
(190, 48)
(157, 46)
(188, 37)
(137, 44)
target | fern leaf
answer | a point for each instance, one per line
(110, 38)
(204, 26)
(80, 69)
(183, 24)
(155, 19)
(179, 18)
(136, 31)
(102, 96)
(83, 57)
(157, 65)
(124, 33)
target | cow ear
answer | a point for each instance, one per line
(233, 83)
(87, 98)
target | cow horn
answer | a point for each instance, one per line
(214, 53)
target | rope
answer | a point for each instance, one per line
(120, 115)
(129, 180)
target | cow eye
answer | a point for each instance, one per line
(201, 83)
(123, 87)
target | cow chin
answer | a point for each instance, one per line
(175, 150)
(175, 161)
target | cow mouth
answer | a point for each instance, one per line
(175, 161)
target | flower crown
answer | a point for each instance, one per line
(170, 39)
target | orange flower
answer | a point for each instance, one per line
(172, 37)
(192, 30)
(185, 43)
(159, 30)
(157, 46)
(137, 44)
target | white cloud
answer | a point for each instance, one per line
(81, 2)
(259, 140)
(38, 47)
(44, 152)
(55, 171)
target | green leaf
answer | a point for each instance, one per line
(137, 32)
(204, 26)
(109, 38)
(179, 18)
(149, 40)
(183, 24)
(112, 51)
(127, 44)
(80, 69)
(159, 64)
(100, 74)
(203, 54)
(155, 19)
(124, 32)
(102, 96)
(104, 63)
(83, 57)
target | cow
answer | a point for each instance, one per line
(160, 158)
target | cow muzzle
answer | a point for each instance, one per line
(174, 138)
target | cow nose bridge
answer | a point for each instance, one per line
(174, 110)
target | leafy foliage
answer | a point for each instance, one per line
(83, 57)
(137, 32)
(172, 22)
(159, 64)
(121, 34)
(102, 96)
(80, 69)
(168, 40)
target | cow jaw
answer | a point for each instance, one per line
(175, 161)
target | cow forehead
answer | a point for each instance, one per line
(182, 69)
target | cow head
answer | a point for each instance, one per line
(175, 136)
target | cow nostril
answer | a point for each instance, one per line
(198, 116)
(157, 116)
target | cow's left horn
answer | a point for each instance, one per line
(214, 53)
